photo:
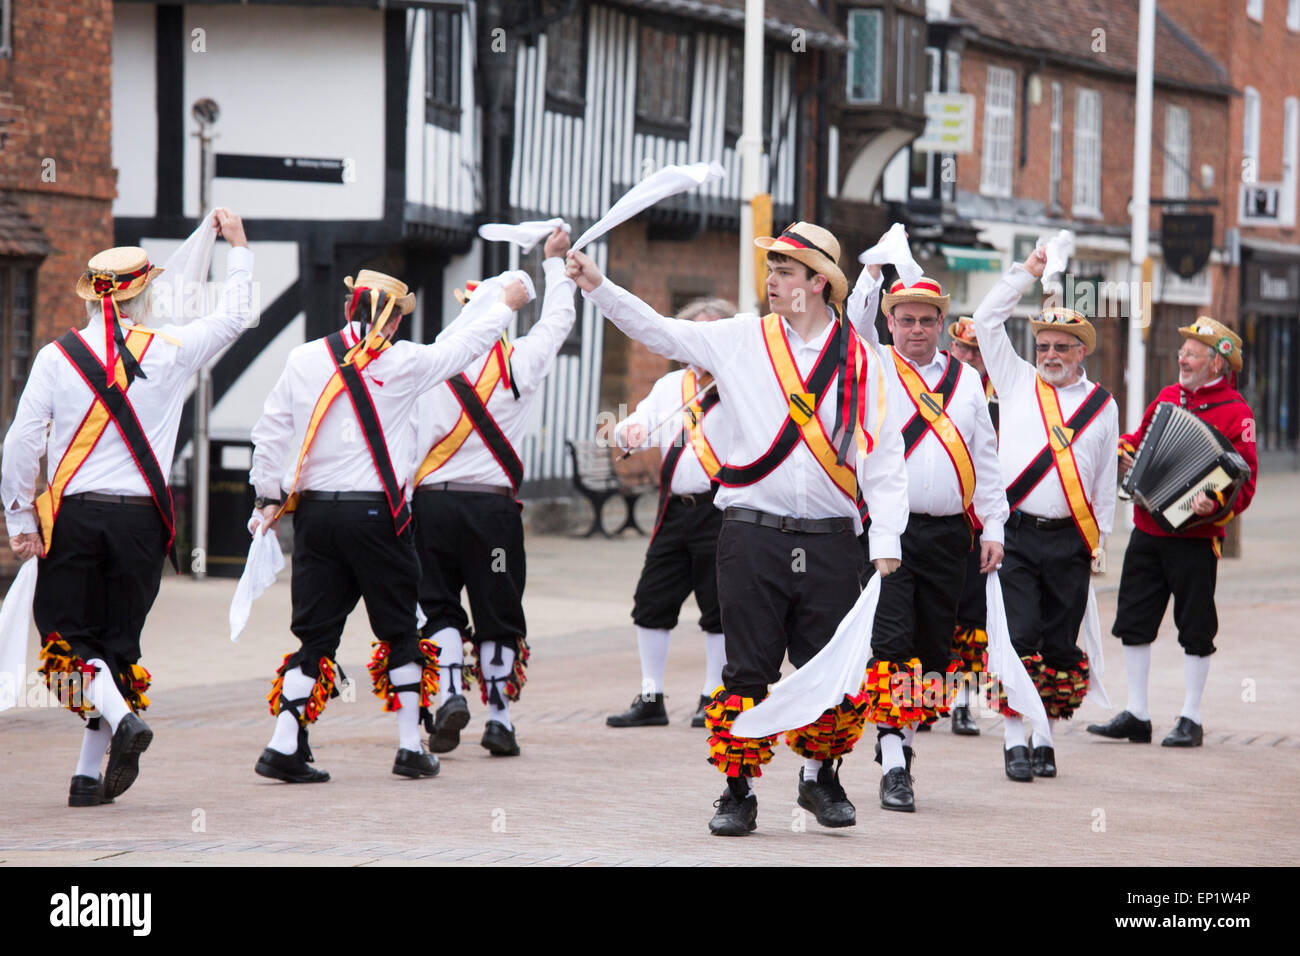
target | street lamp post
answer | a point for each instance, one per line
(205, 113)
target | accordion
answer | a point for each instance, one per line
(1182, 455)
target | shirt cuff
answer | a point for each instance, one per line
(604, 297)
(993, 532)
(553, 269)
(885, 545)
(239, 258)
(22, 521)
(1018, 277)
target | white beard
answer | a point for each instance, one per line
(1057, 377)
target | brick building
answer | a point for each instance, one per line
(57, 180)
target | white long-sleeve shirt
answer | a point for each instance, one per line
(933, 487)
(1023, 434)
(533, 358)
(689, 477)
(57, 396)
(734, 351)
(339, 458)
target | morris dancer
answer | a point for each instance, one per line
(683, 553)
(1058, 435)
(103, 406)
(468, 529)
(807, 399)
(352, 525)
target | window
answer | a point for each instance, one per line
(910, 64)
(954, 71)
(566, 64)
(1250, 136)
(442, 68)
(864, 58)
(734, 121)
(17, 292)
(1178, 152)
(1293, 15)
(1087, 153)
(1255, 10)
(1054, 197)
(999, 132)
(1290, 154)
(663, 85)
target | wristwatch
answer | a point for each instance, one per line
(259, 502)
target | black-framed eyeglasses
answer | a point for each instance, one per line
(1060, 348)
(928, 323)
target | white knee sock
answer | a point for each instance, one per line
(811, 768)
(909, 735)
(94, 744)
(963, 694)
(652, 644)
(408, 715)
(1195, 671)
(451, 650)
(715, 659)
(1137, 662)
(296, 685)
(487, 651)
(1013, 733)
(891, 753)
(1042, 739)
(105, 696)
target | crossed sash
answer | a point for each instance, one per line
(347, 379)
(476, 417)
(1058, 453)
(804, 398)
(692, 431)
(932, 416)
(110, 404)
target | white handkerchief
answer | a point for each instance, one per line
(894, 249)
(1092, 647)
(666, 182)
(526, 235)
(264, 562)
(838, 669)
(1005, 663)
(15, 620)
(1059, 248)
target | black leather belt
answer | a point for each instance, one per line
(343, 496)
(464, 486)
(1019, 518)
(788, 524)
(111, 499)
(693, 499)
(917, 516)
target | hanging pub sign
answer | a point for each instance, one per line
(1186, 240)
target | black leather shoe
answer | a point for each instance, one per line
(896, 791)
(290, 768)
(924, 728)
(1017, 764)
(1042, 761)
(415, 763)
(499, 740)
(698, 719)
(450, 720)
(644, 712)
(825, 799)
(86, 792)
(1124, 725)
(734, 816)
(130, 740)
(963, 724)
(1186, 733)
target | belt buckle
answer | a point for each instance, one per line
(788, 524)
(687, 500)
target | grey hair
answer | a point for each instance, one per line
(139, 309)
(697, 307)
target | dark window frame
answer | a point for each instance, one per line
(11, 384)
(656, 125)
(563, 101)
(6, 30)
(439, 110)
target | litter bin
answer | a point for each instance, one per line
(230, 502)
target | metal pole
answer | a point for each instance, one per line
(750, 149)
(1139, 319)
(203, 390)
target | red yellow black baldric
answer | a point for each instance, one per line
(110, 386)
(1058, 453)
(104, 285)
(475, 416)
(932, 415)
(692, 431)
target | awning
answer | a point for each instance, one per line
(962, 259)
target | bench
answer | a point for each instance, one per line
(595, 478)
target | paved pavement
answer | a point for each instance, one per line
(584, 794)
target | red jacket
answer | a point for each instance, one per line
(1235, 422)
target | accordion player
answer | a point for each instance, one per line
(1181, 455)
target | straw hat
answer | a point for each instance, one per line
(369, 279)
(124, 269)
(1070, 322)
(963, 330)
(816, 248)
(925, 291)
(463, 295)
(1218, 337)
